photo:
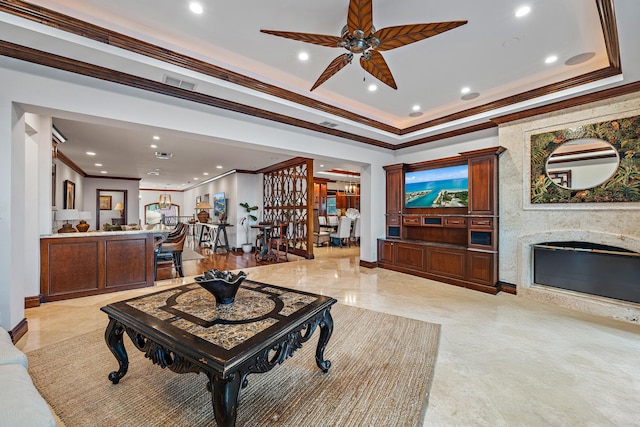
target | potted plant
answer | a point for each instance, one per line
(245, 221)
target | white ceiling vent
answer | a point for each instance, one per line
(328, 124)
(183, 84)
(163, 156)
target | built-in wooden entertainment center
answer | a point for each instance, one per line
(453, 244)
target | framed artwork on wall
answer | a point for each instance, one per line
(69, 201)
(105, 203)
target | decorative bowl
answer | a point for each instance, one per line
(223, 285)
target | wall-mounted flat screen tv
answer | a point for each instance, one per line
(446, 187)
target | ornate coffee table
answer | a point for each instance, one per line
(182, 329)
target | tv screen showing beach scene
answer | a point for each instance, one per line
(437, 188)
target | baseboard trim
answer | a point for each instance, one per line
(31, 302)
(368, 264)
(508, 288)
(19, 330)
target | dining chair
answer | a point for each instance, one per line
(343, 232)
(320, 236)
(356, 231)
(279, 242)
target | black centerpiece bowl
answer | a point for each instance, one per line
(223, 285)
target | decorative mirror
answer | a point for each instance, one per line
(594, 163)
(582, 163)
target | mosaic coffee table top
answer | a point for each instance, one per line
(189, 313)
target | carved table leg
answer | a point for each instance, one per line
(113, 336)
(225, 398)
(326, 329)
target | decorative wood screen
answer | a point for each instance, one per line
(288, 194)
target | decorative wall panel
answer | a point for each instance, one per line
(288, 193)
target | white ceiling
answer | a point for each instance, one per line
(496, 55)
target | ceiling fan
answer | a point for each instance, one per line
(359, 36)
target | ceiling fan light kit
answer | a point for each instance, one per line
(359, 36)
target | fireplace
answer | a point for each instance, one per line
(592, 303)
(590, 268)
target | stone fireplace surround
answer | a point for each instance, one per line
(620, 310)
(523, 224)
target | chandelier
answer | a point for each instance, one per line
(165, 200)
(351, 189)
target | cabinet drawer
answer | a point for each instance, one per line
(393, 219)
(481, 223)
(455, 221)
(411, 220)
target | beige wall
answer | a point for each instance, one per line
(523, 224)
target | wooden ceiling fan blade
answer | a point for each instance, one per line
(335, 66)
(319, 39)
(360, 16)
(402, 35)
(378, 68)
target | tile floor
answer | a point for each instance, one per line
(503, 360)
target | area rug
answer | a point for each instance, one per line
(189, 254)
(381, 372)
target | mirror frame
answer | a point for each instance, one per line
(623, 186)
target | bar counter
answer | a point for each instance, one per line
(75, 265)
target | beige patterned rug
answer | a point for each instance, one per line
(381, 373)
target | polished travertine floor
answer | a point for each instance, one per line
(503, 360)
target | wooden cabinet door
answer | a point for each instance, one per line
(410, 256)
(385, 251)
(395, 191)
(447, 262)
(482, 185)
(482, 267)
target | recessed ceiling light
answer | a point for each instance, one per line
(196, 179)
(153, 146)
(90, 153)
(219, 167)
(97, 164)
(103, 171)
(303, 56)
(416, 108)
(522, 11)
(465, 89)
(195, 7)
(156, 137)
(579, 59)
(205, 173)
(372, 88)
(551, 59)
(321, 166)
